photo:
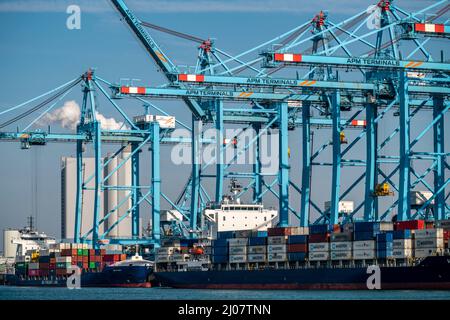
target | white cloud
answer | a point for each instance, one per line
(68, 116)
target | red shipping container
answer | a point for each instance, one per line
(301, 247)
(123, 257)
(274, 232)
(116, 257)
(52, 266)
(317, 238)
(85, 259)
(102, 252)
(43, 265)
(410, 225)
(53, 260)
(92, 252)
(34, 273)
(429, 225)
(446, 235)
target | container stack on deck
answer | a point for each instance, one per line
(178, 251)
(337, 244)
(59, 259)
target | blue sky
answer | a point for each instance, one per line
(38, 52)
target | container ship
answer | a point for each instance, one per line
(360, 255)
(54, 264)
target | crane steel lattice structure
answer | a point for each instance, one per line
(383, 72)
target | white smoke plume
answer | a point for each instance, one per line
(69, 117)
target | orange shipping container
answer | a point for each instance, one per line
(301, 247)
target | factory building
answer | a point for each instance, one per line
(110, 198)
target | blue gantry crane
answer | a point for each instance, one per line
(354, 79)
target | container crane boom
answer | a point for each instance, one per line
(155, 51)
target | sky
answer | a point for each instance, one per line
(38, 53)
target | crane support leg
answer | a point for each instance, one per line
(219, 150)
(404, 204)
(257, 187)
(283, 176)
(156, 183)
(136, 192)
(336, 174)
(371, 165)
(439, 150)
(306, 160)
(196, 163)
(98, 180)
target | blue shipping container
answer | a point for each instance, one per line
(220, 243)
(382, 246)
(318, 228)
(402, 234)
(257, 241)
(367, 227)
(363, 236)
(225, 235)
(384, 254)
(385, 237)
(261, 234)
(298, 239)
(219, 250)
(219, 259)
(297, 256)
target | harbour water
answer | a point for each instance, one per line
(34, 293)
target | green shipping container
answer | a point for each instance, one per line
(85, 252)
(92, 265)
(80, 252)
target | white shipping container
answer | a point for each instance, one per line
(386, 226)
(402, 253)
(257, 249)
(63, 259)
(238, 250)
(256, 258)
(237, 242)
(237, 258)
(274, 248)
(166, 250)
(403, 244)
(299, 231)
(429, 243)
(44, 252)
(20, 259)
(277, 240)
(364, 254)
(319, 247)
(444, 224)
(429, 233)
(425, 252)
(319, 256)
(178, 257)
(276, 257)
(341, 246)
(163, 258)
(364, 245)
(341, 255)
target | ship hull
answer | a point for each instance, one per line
(432, 276)
(125, 276)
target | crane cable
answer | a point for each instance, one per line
(40, 105)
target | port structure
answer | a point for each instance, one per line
(394, 84)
